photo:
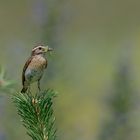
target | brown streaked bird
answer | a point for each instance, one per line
(34, 67)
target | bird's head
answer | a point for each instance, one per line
(41, 50)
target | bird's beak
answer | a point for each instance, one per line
(50, 49)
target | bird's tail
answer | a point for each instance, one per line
(24, 89)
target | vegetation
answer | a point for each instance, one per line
(37, 114)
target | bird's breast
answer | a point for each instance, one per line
(38, 62)
(35, 69)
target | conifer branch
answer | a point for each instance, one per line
(37, 114)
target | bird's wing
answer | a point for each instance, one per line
(24, 69)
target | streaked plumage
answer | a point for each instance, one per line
(34, 67)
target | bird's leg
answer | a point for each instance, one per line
(39, 85)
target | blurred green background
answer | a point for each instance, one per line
(95, 66)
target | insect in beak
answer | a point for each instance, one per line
(47, 49)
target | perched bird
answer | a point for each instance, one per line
(34, 67)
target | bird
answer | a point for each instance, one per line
(34, 67)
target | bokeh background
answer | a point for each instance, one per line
(95, 66)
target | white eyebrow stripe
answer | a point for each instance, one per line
(36, 48)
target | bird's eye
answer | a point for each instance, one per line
(39, 48)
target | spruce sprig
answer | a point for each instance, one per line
(37, 114)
